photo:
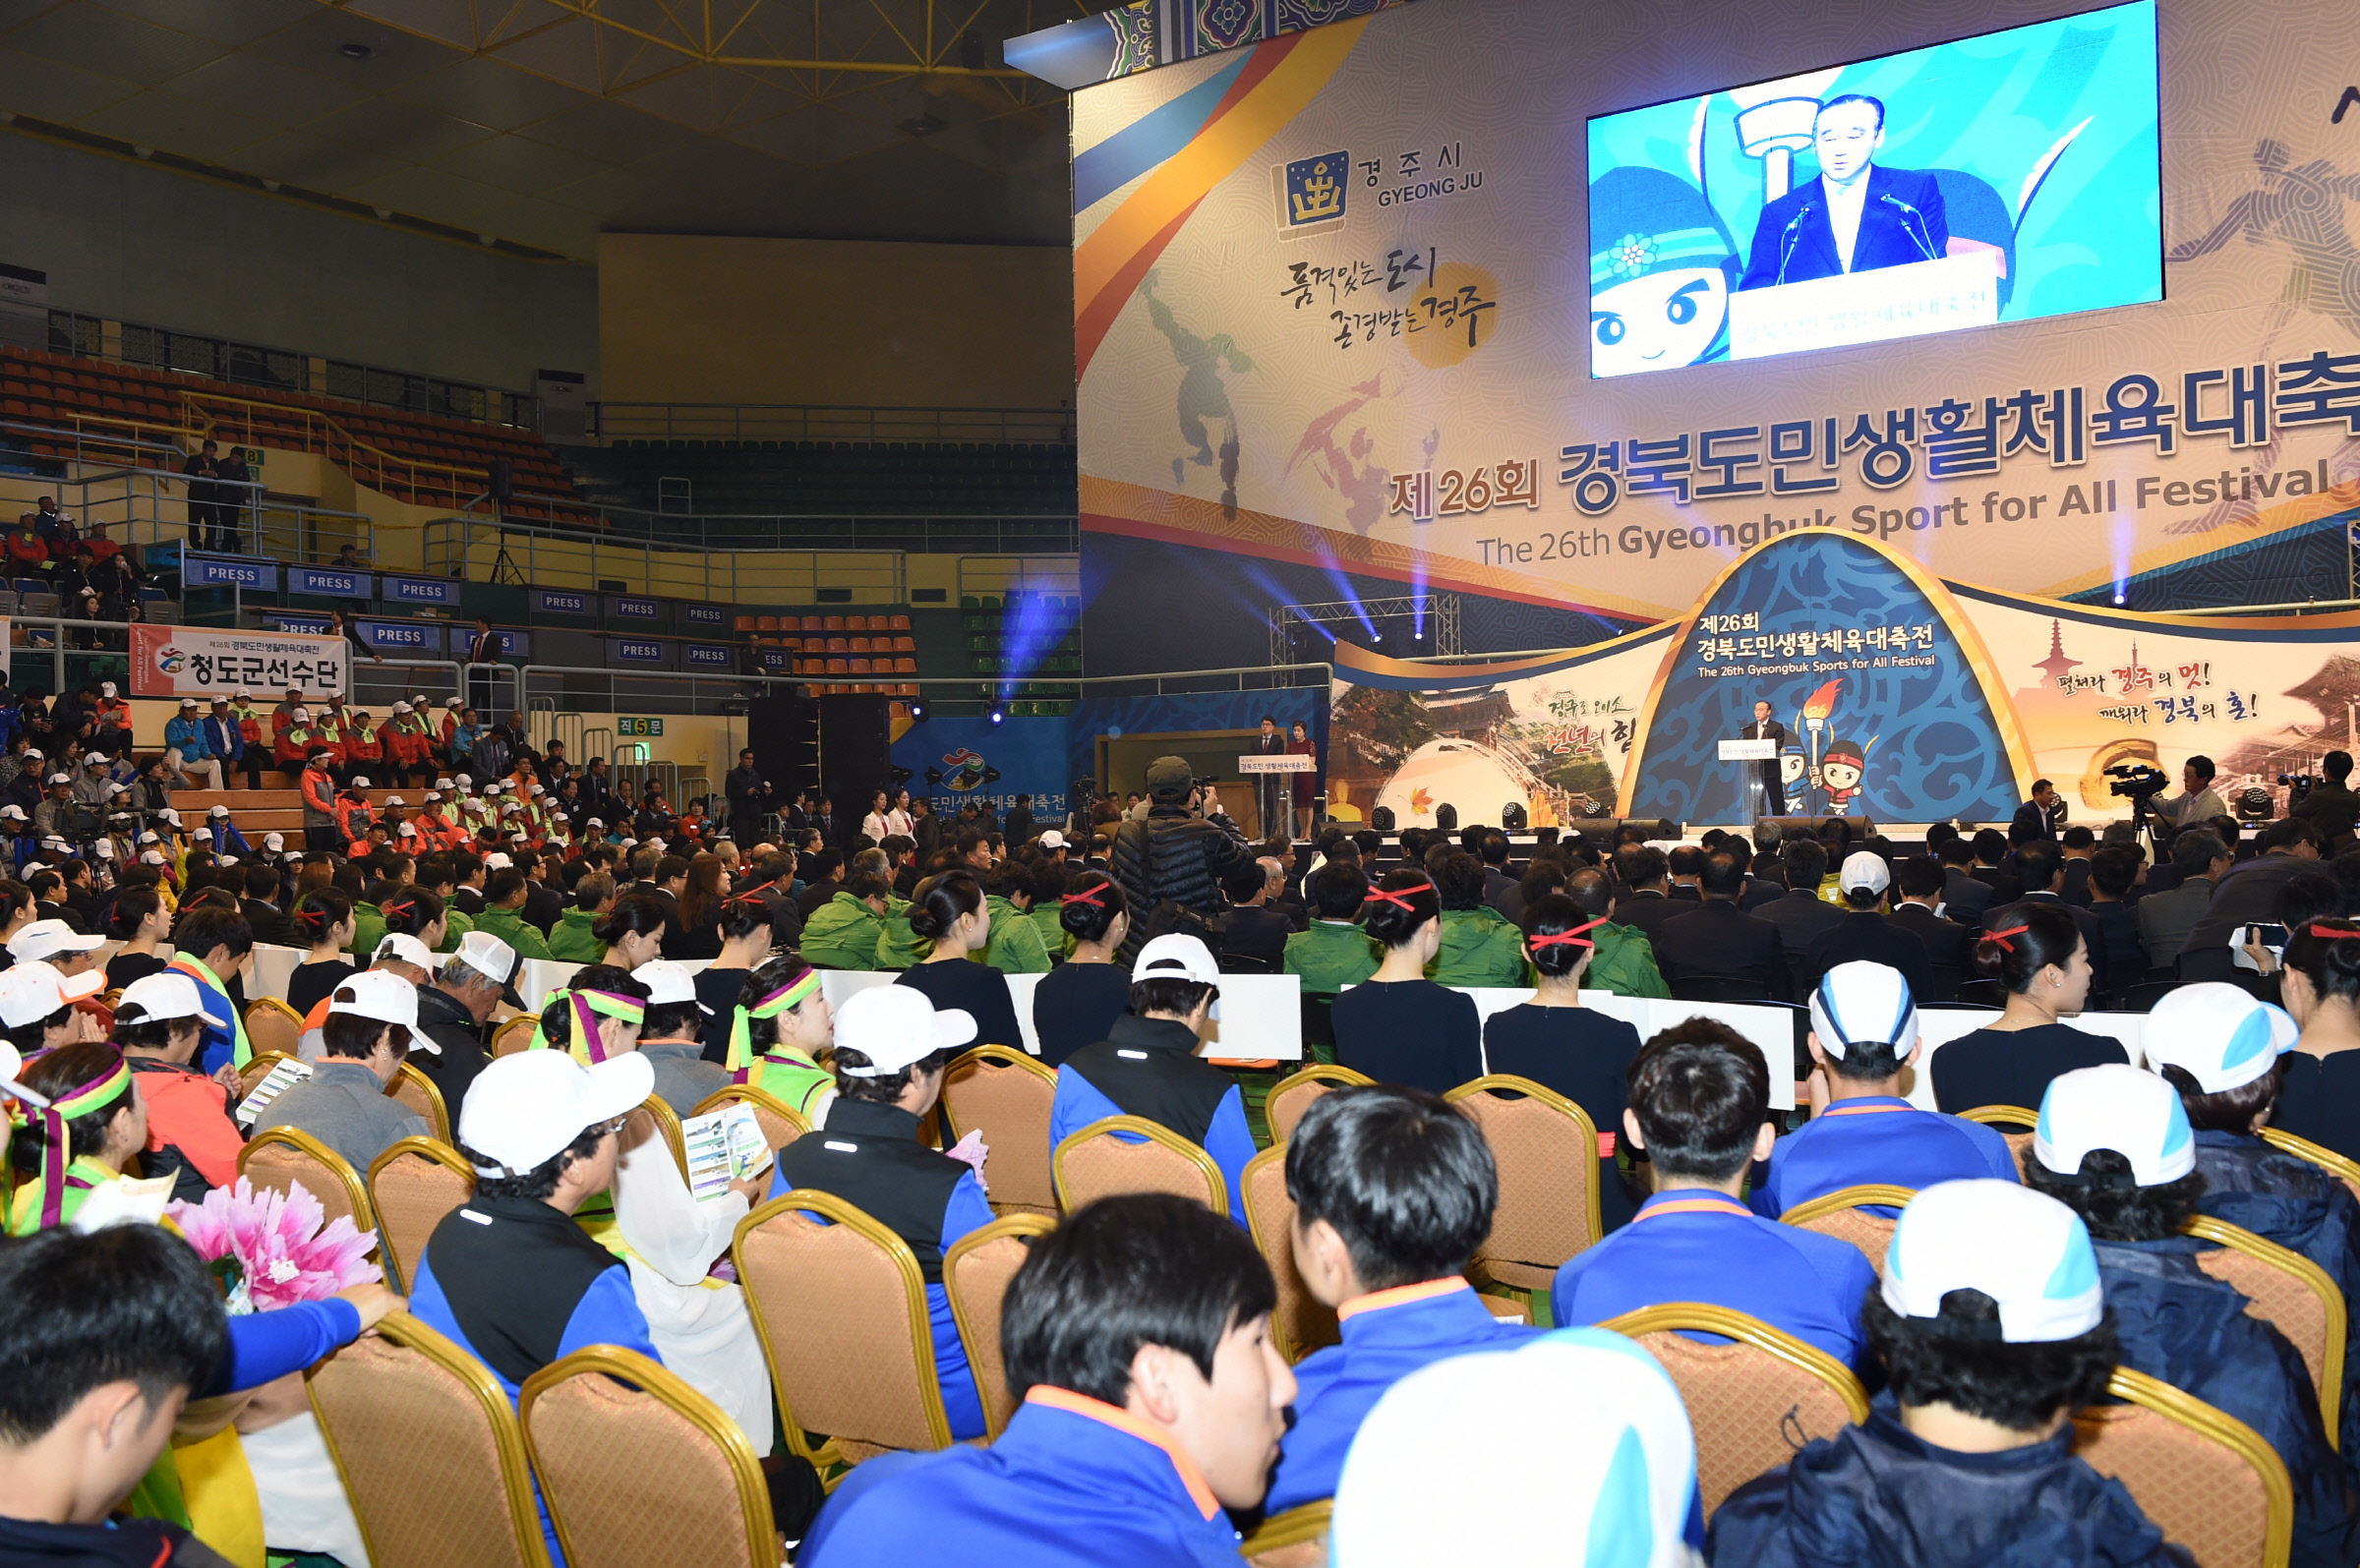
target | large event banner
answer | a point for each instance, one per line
(2055, 299)
(1907, 698)
(197, 662)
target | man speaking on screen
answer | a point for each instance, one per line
(1857, 216)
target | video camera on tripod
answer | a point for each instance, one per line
(2139, 783)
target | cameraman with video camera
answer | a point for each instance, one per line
(2197, 800)
(2330, 805)
(1178, 854)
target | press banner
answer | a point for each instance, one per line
(1904, 698)
(192, 662)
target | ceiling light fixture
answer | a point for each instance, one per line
(356, 52)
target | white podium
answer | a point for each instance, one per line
(1747, 754)
(1286, 765)
(1871, 306)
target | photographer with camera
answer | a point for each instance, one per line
(1177, 854)
(2329, 804)
(2197, 800)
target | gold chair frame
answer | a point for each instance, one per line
(438, 1114)
(1006, 1225)
(2319, 1154)
(1297, 1527)
(2152, 1393)
(356, 1191)
(1594, 1179)
(425, 1148)
(1326, 1073)
(2328, 1378)
(1154, 1133)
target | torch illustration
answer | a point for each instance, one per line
(1815, 710)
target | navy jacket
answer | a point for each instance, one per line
(2181, 1324)
(1902, 222)
(1875, 1493)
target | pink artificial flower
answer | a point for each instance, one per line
(278, 1242)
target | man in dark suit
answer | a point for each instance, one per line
(1919, 883)
(2166, 918)
(1861, 934)
(1269, 788)
(1963, 899)
(261, 907)
(1719, 938)
(1642, 870)
(1758, 890)
(2331, 808)
(2080, 843)
(1771, 788)
(2248, 894)
(1684, 866)
(1857, 216)
(482, 648)
(824, 818)
(1800, 914)
(1249, 927)
(1991, 850)
(2041, 817)
(1500, 891)
(1768, 864)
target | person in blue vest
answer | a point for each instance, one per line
(2113, 1144)
(2225, 1050)
(1861, 1132)
(1700, 1109)
(890, 1051)
(1393, 1190)
(1148, 1065)
(1151, 1397)
(507, 1276)
(1582, 1448)
(1992, 1328)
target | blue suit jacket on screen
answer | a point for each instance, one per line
(1903, 222)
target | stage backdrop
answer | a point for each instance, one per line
(1932, 700)
(1343, 299)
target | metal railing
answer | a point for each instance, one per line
(915, 535)
(145, 505)
(820, 422)
(690, 564)
(284, 370)
(581, 689)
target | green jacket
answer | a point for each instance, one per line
(573, 940)
(1479, 948)
(1623, 963)
(509, 926)
(1330, 957)
(899, 947)
(457, 923)
(367, 927)
(842, 934)
(792, 1078)
(1015, 946)
(1055, 939)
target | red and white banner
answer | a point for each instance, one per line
(197, 661)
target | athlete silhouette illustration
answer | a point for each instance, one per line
(1203, 395)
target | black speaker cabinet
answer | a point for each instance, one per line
(856, 745)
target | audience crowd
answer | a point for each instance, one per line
(1158, 1419)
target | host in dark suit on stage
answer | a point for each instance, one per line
(1857, 216)
(1774, 789)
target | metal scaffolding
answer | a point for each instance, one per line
(1439, 611)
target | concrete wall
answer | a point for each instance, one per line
(696, 319)
(126, 242)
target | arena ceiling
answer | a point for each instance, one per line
(538, 123)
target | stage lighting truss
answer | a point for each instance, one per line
(1350, 618)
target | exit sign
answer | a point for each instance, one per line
(638, 727)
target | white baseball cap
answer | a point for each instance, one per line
(274, 840)
(523, 1109)
(53, 842)
(2220, 1034)
(302, 716)
(667, 982)
(188, 701)
(1581, 1427)
(106, 688)
(94, 758)
(104, 850)
(45, 938)
(32, 753)
(218, 811)
(13, 813)
(149, 837)
(406, 831)
(169, 815)
(377, 993)
(1863, 1003)
(895, 1025)
(408, 948)
(401, 707)
(433, 794)
(167, 994)
(59, 778)
(486, 954)
(442, 783)
(1052, 840)
(113, 790)
(226, 860)
(495, 861)
(464, 781)
(1180, 956)
(2117, 1107)
(151, 858)
(359, 783)
(2026, 1251)
(31, 992)
(1865, 869)
(245, 696)
(594, 822)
